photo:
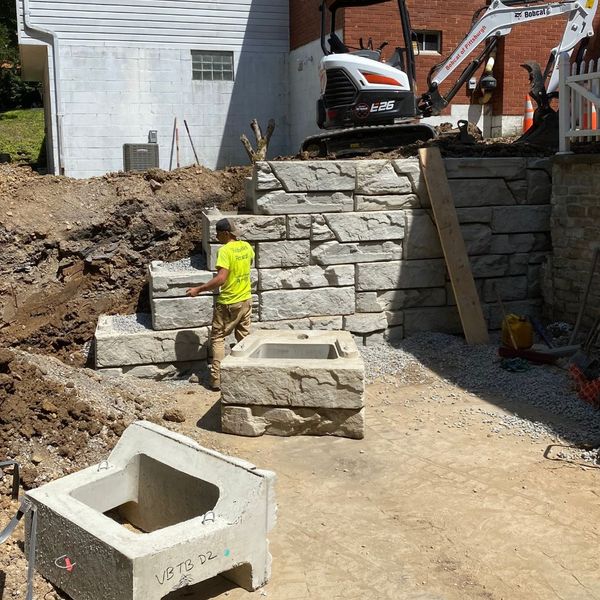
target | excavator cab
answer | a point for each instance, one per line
(360, 92)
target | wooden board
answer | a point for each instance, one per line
(453, 245)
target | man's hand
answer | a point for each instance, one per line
(193, 292)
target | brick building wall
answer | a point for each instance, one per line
(453, 18)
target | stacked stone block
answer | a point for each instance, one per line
(353, 244)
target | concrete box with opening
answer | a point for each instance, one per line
(292, 383)
(160, 514)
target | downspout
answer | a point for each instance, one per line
(56, 70)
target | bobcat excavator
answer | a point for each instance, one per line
(369, 105)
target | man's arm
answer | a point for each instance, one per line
(217, 281)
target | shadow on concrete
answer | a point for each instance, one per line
(260, 89)
(211, 420)
(2, 583)
(211, 588)
(542, 395)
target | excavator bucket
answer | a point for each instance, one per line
(544, 131)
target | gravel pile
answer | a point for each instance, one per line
(132, 323)
(477, 369)
(196, 262)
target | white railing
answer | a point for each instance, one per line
(579, 97)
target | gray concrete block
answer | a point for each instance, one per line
(253, 228)
(296, 304)
(306, 277)
(479, 168)
(478, 238)
(380, 177)
(368, 226)
(365, 322)
(441, 319)
(480, 192)
(158, 372)
(411, 168)
(258, 420)
(520, 242)
(320, 230)
(335, 253)
(298, 227)
(130, 340)
(386, 202)
(160, 514)
(263, 177)
(398, 299)
(302, 369)
(286, 203)
(422, 239)
(293, 253)
(509, 288)
(480, 214)
(401, 275)
(181, 313)
(315, 176)
(172, 279)
(521, 219)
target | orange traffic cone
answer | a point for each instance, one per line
(528, 116)
(584, 123)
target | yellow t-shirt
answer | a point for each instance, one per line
(236, 257)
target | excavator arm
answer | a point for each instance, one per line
(497, 21)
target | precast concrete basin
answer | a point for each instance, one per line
(292, 383)
(160, 514)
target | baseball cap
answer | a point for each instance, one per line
(227, 225)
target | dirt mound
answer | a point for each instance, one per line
(79, 248)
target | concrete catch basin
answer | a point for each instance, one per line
(294, 383)
(162, 513)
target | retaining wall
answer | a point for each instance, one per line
(575, 226)
(352, 244)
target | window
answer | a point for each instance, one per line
(208, 65)
(429, 41)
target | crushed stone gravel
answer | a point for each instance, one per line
(553, 408)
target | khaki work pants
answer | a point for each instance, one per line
(227, 318)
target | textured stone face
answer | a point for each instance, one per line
(422, 239)
(334, 253)
(298, 227)
(505, 168)
(365, 323)
(257, 420)
(387, 202)
(283, 254)
(320, 230)
(296, 304)
(121, 342)
(380, 177)
(181, 313)
(521, 219)
(283, 203)
(314, 385)
(166, 282)
(398, 299)
(317, 323)
(313, 176)
(480, 192)
(252, 227)
(368, 226)
(401, 275)
(264, 179)
(306, 277)
(410, 168)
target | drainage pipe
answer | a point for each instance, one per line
(47, 33)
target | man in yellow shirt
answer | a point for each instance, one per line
(233, 309)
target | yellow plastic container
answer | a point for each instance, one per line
(522, 332)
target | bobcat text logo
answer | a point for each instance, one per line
(382, 106)
(528, 14)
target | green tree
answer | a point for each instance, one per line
(14, 92)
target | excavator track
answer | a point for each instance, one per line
(356, 141)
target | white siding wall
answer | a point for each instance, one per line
(257, 24)
(305, 89)
(113, 96)
(125, 70)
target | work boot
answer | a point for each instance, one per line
(215, 385)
